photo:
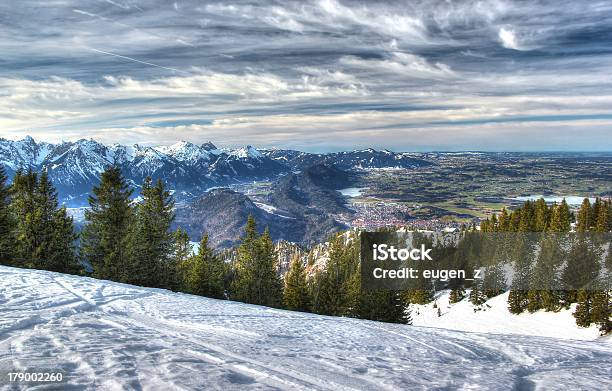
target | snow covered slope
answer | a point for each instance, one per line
(495, 318)
(104, 335)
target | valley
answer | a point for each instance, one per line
(303, 197)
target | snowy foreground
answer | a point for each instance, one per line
(494, 317)
(104, 335)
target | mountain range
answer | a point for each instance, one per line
(187, 168)
(302, 208)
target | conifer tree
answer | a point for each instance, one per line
(150, 241)
(62, 250)
(504, 221)
(601, 310)
(584, 218)
(522, 257)
(493, 224)
(515, 220)
(384, 306)
(422, 290)
(582, 268)
(583, 309)
(271, 288)
(44, 232)
(244, 274)
(477, 295)
(23, 208)
(256, 280)
(296, 295)
(335, 288)
(204, 272)
(542, 215)
(45, 204)
(456, 295)
(182, 252)
(602, 221)
(527, 220)
(561, 218)
(545, 278)
(104, 243)
(7, 223)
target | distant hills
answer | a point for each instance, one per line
(301, 204)
(187, 168)
(302, 208)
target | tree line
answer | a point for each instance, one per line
(545, 263)
(132, 242)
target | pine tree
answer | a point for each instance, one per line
(150, 241)
(542, 215)
(204, 272)
(545, 279)
(56, 237)
(104, 243)
(515, 220)
(504, 221)
(584, 219)
(23, 208)
(62, 249)
(561, 218)
(271, 288)
(422, 290)
(7, 223)
(456, 295)
(45, 233)
(583, 309)
(383, 306)
(522, 255)
(477, 296)
(335, 291)
(527, 221)
(244, 273)
(582, 268)
(296, 295)
(601, 310)
(256, 279)
(182, 252)
(602, 221)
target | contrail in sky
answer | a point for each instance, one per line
(135, 60)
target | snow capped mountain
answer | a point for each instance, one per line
(187, 152)
(74, 167)
(373, 159)
(189, 169)
(247, 153)
(24, 153)
(366, 159)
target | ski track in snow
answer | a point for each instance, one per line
(105, 335)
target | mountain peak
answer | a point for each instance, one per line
(209, 146)
(248, 152)
(28, 139)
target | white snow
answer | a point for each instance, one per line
(272, 210)
(104, 335)
(185, 152)
(495, 318)
(266, 207)
(248, 152)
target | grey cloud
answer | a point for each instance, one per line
(310, 74)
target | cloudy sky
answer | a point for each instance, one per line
(313, 75)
